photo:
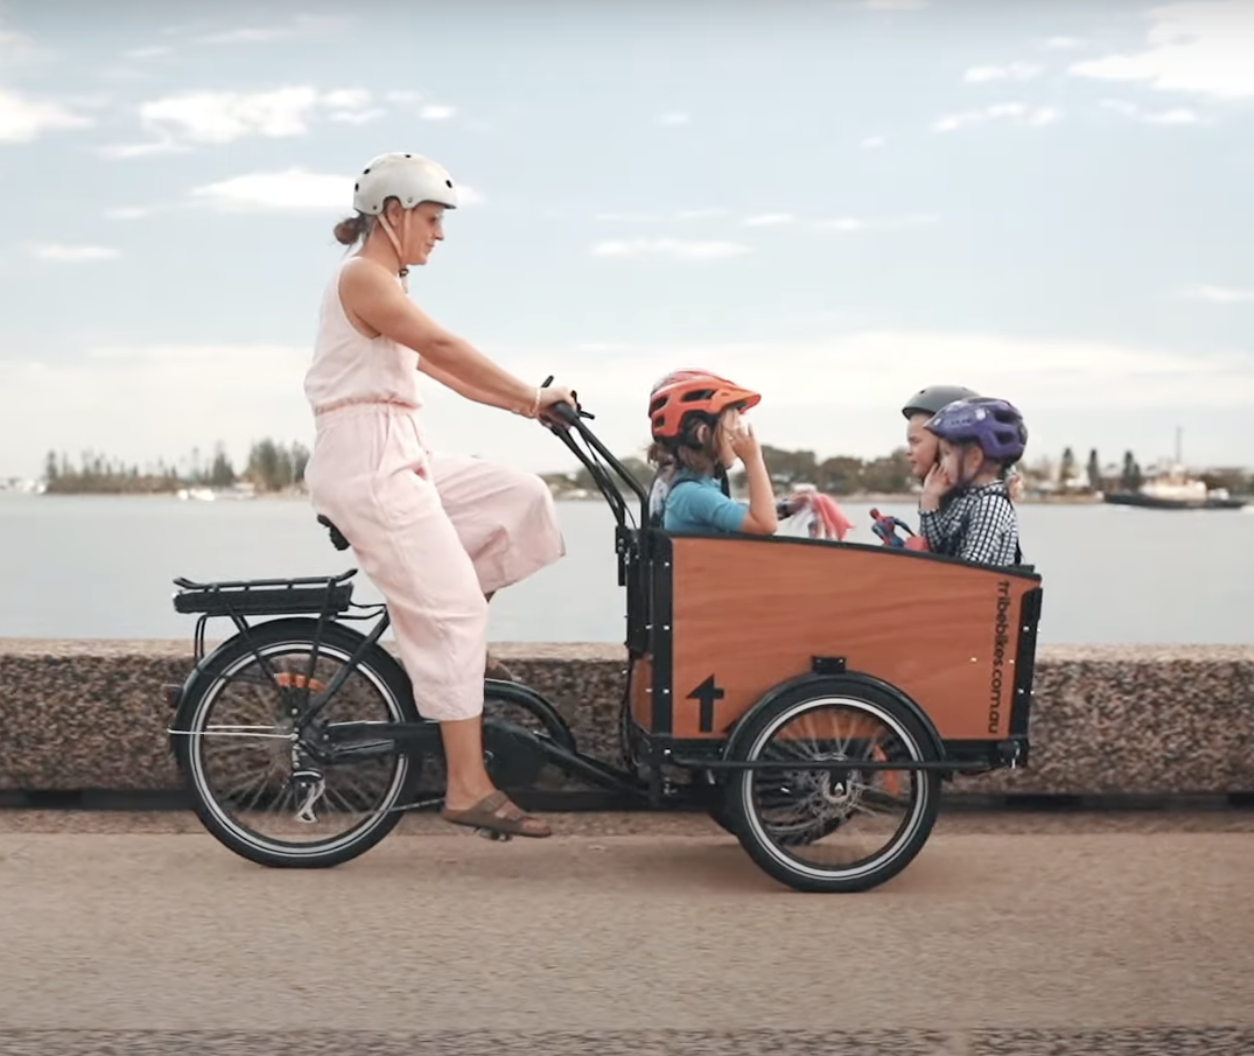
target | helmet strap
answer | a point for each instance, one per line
(964, 475)
(403, 271)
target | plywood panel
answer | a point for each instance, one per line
(642, 691)
(751, 613)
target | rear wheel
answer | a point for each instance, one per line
(272, 796)
(833, 830)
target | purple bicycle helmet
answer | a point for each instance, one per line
(996, 425)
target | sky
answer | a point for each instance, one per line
(834, 202)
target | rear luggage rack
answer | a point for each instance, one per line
(266, 597)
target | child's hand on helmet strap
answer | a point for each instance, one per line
(740, 437)
(935, 485)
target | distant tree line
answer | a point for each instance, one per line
(1127, 476)
(277, 467)
(271, 467)
(840, 475)
(890, 474)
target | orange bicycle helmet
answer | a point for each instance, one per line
(677, 375)
(686, 392)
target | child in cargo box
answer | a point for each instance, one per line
(966, 510)
(697, 428)
(921, 445)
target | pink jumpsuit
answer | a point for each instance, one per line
(434, 532)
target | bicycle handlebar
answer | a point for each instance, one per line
(574, 417)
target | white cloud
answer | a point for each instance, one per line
(629, 218)
(852, 224)
(436, 112)
(245, 35)
(300, 26)
(1017, 113)
(67, 254)
(346, 99)
(1200, 48)
(1176, 115)
(814, 389)
(18, 47)
(674, 118)
(133, 212)
(1218, 294)
(1063, 43)
(764, 219)
(290, 190)
(357, 117)
(12, 40)
(817, 393)
(178, 121)
(669, 247)
(89, 403)
(1014, 71)
(220, 117)
(159, 51)
(660, 218)
(877, 367)
(873, 142)
(122, 151)
(896, 5)
(23, 119)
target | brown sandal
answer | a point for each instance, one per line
(498, 818)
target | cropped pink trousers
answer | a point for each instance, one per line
(434, 533)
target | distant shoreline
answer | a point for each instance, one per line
(887, 498)
(911, 497)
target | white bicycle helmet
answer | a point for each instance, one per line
(407, 177)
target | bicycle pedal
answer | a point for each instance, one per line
(492, 834)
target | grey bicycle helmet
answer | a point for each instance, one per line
(931, 399)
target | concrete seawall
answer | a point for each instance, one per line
(89, 716)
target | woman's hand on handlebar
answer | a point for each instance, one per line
(551, 395)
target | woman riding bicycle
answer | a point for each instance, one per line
(438, 534)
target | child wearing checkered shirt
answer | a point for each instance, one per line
(966, 510)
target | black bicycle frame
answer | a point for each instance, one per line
(602, 479)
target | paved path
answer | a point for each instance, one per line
(1049, 940)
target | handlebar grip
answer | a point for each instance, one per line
(568, 413)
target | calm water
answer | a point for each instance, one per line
(86, 567)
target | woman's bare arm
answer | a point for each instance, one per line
(471, 392)
(371, 294)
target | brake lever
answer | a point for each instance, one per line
(579, 411)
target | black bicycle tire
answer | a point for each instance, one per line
(739, 783)
(295, 633)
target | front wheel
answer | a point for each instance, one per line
(833, 830)
(272, 796)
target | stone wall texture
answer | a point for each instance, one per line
(89, 715)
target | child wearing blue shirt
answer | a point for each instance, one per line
(695, 419)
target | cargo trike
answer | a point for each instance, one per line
(811, 696)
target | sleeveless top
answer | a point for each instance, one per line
(348, 367)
